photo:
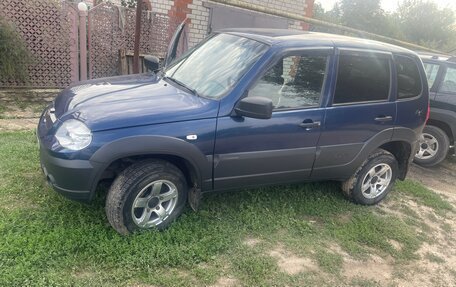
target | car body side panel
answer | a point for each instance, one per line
(411, 112)
(346, 164)
(253, 151)
(275, 150)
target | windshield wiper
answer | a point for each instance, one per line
(182, 85)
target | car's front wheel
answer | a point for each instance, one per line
(434, 144)
(146, 195)
(373, 180)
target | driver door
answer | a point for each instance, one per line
(250, 151)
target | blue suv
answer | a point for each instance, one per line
(243, 108)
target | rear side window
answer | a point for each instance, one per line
(431, 72)
(408, 78)
(449, 81)
(362, 79)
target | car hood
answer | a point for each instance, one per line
(132, 100)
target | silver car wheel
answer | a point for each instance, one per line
(428, 146)
(154, 203)
(376, 181)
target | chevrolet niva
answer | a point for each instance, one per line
(439, 134)
(245, 107)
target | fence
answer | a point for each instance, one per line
(49, 29)
(111, 28)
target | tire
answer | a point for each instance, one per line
(434, 145)
(373, 180)
(157, 188)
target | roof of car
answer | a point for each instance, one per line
(437, 57)
(296, 37)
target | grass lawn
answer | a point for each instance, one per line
(252, 238)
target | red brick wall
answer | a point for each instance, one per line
(308, 13)
(180, 10)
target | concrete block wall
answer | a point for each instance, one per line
(162, 6)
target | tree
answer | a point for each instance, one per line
(365, 15)
(332, 16)
(416, 21)
(424, 23)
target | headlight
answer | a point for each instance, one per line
(73, 135)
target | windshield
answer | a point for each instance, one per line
(214, 67)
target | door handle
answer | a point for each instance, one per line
(383, 119)
(309, 124)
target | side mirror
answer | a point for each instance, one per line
(254, 107)
(152, 63)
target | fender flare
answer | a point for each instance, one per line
(446, 116)
(149, 145)
(345, 170)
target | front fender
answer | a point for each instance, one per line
(162, 145)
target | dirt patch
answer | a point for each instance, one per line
(375, 268)
(436, 265)
(428, 271)
(252, 242)
(21, 108)
(440, 178)
(291, 263)
(226, 282)
(396, 245)
(18, 124)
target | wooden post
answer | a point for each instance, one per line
(123, 67)
(83, 40)
(137, 36)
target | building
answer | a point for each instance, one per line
(207, 16)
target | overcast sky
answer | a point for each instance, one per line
(391, 5)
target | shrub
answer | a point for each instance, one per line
(14, 55)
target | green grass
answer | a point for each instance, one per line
(434, 258)
(47, 240)
(2, 110)
(424, 196)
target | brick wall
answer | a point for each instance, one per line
(162, 6)
(198, 13)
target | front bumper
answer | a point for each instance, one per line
(74, 179)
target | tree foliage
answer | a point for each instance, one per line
(14, 55)
(423, 23)
(416, 21)
(128, 3)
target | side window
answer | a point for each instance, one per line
(362, 79)
(449, 81)
(431, 72)
(408, 78)
(294, 82)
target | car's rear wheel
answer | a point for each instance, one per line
(373, 180)
(433, 146)
(146, 195)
